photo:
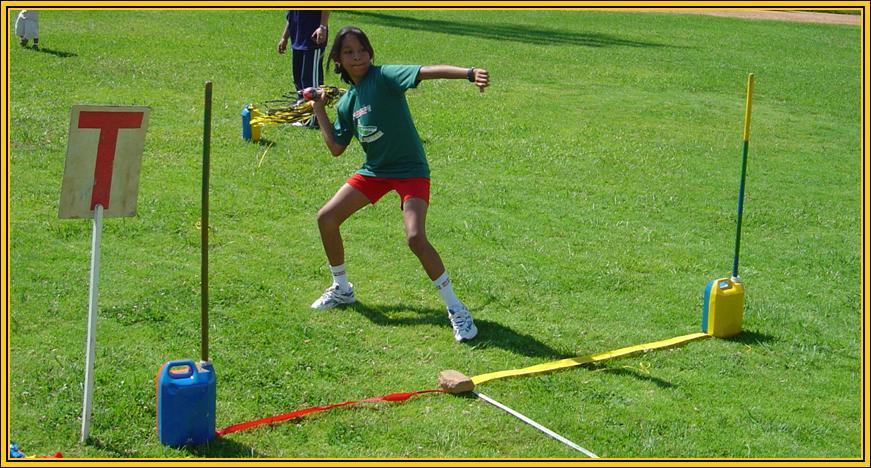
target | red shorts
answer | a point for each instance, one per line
(375, 187)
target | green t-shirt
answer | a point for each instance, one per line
(376, 112)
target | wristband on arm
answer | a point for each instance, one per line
(470, 75)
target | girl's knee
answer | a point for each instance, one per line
(417, 242)
(327, 219)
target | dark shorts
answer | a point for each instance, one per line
(375, 187)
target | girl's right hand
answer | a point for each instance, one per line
(313, 94)
(318, 100)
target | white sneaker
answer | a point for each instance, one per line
(461, 320)
(334, 296)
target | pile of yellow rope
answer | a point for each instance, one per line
(288, 111)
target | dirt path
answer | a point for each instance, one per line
(801, 16)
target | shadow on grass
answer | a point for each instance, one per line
(262, 142)
(751, 338)
(490, 334)
(626, 371)
(500, 32)
(218, 447)
(56, 53)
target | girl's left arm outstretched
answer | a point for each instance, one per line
(479, 76)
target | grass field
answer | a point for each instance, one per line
(581, 204)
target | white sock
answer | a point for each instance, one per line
(340, 277)
(443, 284)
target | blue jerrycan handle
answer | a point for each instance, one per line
(192, 369)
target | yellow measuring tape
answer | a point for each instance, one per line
(577, 361)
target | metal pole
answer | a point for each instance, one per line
(743, 175)
(92, 321)
(536, 425)
(204, 226)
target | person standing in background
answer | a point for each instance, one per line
(27, 27)
(306, 30)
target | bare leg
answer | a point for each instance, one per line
(414, 217)
(344, 203)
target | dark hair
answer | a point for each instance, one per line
(336, 50)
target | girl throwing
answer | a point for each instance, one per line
(374, 110)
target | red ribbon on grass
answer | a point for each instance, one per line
(302, 412)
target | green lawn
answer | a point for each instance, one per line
(581, 205)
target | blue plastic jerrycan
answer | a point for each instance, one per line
(186, 403)
(249, 132)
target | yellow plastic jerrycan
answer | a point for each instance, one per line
(723, 307)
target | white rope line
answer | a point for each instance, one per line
(536, 425)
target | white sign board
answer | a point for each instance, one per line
(104, 154)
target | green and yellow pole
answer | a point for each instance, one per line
(204, 228)
(747, 108)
